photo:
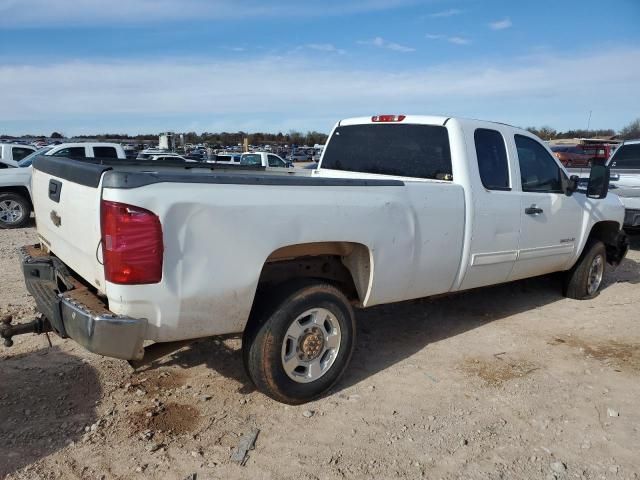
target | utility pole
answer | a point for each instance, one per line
(589, 121)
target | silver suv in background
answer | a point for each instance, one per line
(625, 180)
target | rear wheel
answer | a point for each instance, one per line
(15, 210)
(584, 280)
(298, 348)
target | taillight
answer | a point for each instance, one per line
(132, 245)
(388, 118)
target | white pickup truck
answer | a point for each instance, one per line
(263, 159)
(12, 153)
(15, 183)
(401, 207)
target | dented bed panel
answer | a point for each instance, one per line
(218, 237)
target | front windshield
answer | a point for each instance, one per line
(28, 160)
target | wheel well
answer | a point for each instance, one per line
(608, 232)
(22, 191)
(346, 265)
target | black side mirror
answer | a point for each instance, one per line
(571, 184)
(598, 182)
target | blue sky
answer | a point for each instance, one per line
(143, 66)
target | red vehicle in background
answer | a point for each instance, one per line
(598, 152)
(571, 155)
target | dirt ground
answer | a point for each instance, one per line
(512, 381)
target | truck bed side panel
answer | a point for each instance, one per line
(218, 236)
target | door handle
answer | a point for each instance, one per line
(533, 210)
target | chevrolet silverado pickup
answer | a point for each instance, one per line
(401, 207)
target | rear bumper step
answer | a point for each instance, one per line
(76, 312)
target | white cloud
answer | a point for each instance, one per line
(326, 47)
(140, 96)
(456, 40)
(382, 43)
(19, 14)
(501, 24)
(446, 13)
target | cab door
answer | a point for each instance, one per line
(550, 220)
(495, 209)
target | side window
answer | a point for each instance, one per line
(538, 170)
(627, 156)
(71, 152)
(19, 153)
(492, 159)
(275, 161)
(105, 152)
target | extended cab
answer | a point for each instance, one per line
(401, 207)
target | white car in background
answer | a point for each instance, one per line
(15, 183)
(12, 153)
(263, 159)
(625, 180)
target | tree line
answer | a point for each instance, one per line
(631, 131)
(229, 138)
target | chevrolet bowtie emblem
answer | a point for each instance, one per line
(55, 218)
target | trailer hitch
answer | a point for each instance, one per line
(39, 325)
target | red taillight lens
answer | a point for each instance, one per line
(388, 118)
(132, 245)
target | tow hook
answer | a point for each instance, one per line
(39, 325)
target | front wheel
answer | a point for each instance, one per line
(301, 346)
(15, 210)
(584, 280)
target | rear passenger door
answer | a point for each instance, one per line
(550, 220)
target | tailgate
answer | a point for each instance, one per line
(66, 198)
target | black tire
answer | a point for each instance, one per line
(264, 337)
(24, 208)
(577, 280)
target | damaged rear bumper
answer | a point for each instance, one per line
(76, 312)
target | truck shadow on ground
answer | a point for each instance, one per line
(47, 397)
(391, 333)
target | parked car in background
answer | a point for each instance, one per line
(401, 207)
(12, 153)
(263, 159)
(625, 170)
(170, 157)
(15, 183)
(598, 152)
(571, 155)
(299, 156)
(81, 151)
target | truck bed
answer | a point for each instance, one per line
(221, 225)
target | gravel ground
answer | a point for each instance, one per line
(512, 381)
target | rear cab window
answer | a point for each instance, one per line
(493, 163)
(403, 150)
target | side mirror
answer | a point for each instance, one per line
(598, 182)
(571, 185)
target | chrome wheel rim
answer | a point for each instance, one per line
(596, 272)
(10, 211)
(311, 345)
